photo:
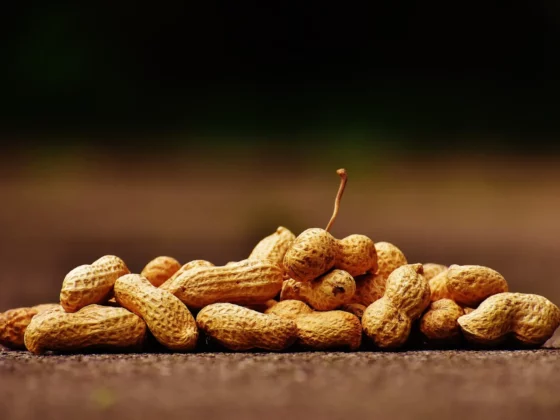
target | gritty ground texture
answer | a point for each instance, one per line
(367, 385)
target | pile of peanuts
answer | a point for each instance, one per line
(310, 292)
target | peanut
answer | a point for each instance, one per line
(526, 319)
(354, 308)
(329, 330)
(247, 282)
(321, 330)
(89, 284)
(274, 246)
(289, 309)
(14, 322)
(327, 292)
(357, 255)
(238, 328)
(387, 321)
(431, 270)
(389, 258)
(439, 323)
(160, 269)
(94, 326)
(371, 286)
(315, 251)
(188, 266)
(167, 317)
(467, 285)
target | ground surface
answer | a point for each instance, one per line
(417, 385)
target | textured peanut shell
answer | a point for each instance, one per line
(325, 293)
(91, 284)
(289, 309)
(95, 326)
(525, 318)
(431, 270)
(313, 253)
(467, 285)
(160, 269)
(238, 328)
(329, 330)
(385, 325)
(247, 282)
(188, 266)
(439, 323)
(369, 288)
(389, 258)
(14, 322)
(356, 255)
(387, 321)
(274, 246)
(166, 316)
(354, 308)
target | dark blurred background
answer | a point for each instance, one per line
(193, 130)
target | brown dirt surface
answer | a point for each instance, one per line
(366, 385)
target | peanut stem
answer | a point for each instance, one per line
(343, 179)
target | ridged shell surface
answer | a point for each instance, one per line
(167, 317)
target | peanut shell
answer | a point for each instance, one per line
(467, 285)
(95, 326)
(167, 317)
(91, 284)
(238, 328)
(274, 246)
(313, 253)
(160, 269)
(527, 319)
(357, 255)
(326, 293)
(329, 330)
(247, 282)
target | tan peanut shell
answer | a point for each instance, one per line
(188, 266)
(369, 288)
(313, 253)
(527, 319)
(467, 285)
(354, 308)
(274, 246)
(90, 284)
(247, 282)
(439, 323)
(431, 270)
(387, 321)
(167, 317)
(289, 309)
(238, 328)
(160, 269)
(95, 326)
(14, 322)
(389, 258)
(329, 330)
(357, 255)
(326, 293)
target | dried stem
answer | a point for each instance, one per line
(343, 179)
